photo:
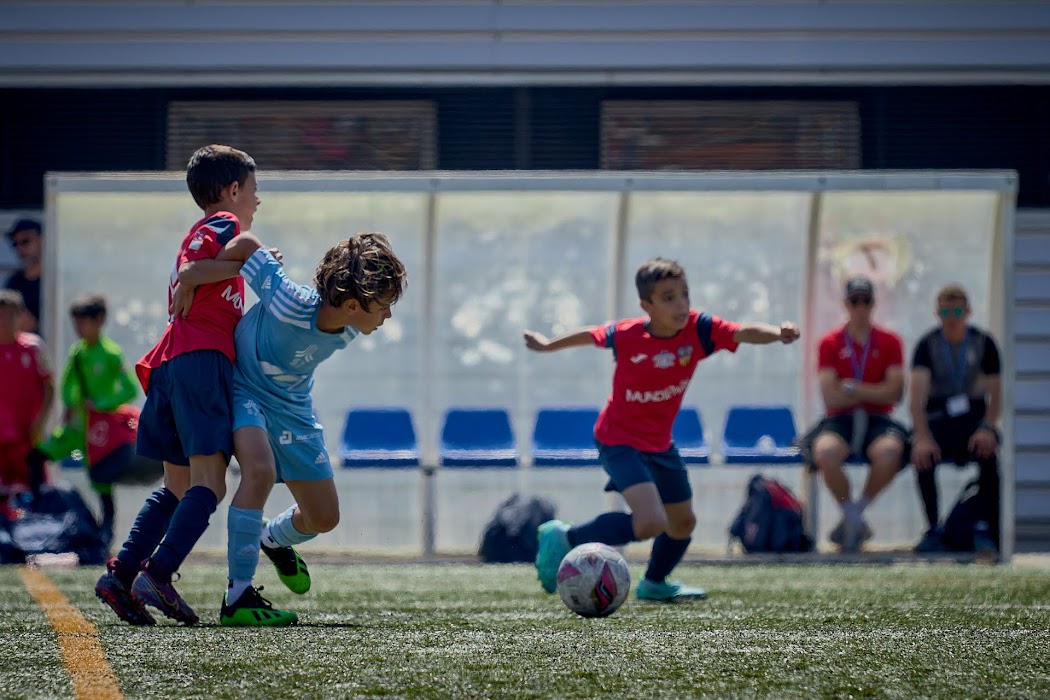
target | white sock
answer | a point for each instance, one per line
(236, 590)
(267, 539)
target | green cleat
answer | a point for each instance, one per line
(291, 568)
(553, 546)
(667, 592)
(252, 610)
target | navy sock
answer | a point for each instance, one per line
(150, 526)
(188, 523)
(666, 554)
(613, 529)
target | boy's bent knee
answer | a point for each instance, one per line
(647, 527)
(681, 527)
(321, 522)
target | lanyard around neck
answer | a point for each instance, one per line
(858, 367)
(958, 371)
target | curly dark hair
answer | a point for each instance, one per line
(651, 272)
(364, 268)
(212, 169)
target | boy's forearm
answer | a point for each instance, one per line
(201, 272)
(758, 333)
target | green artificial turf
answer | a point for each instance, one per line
(487, 631)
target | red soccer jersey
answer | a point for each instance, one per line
(23, 372)
(217, 307)
(651, 377)
(840, 352)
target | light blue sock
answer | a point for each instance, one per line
(244, 527)
(283, 533)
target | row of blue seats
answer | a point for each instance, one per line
(562, 437)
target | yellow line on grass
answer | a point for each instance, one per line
(78, 640)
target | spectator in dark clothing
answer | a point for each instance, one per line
(27, 240)
(956, 400)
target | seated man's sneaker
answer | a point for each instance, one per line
(252, 610)
(931, 542)
(553, 541)
(667, 592)
(984, 546)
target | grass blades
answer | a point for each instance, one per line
(487, 631)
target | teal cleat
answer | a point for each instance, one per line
(668, 592)
(553, 546)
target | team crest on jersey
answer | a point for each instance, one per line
(685, 354)
(664, 359)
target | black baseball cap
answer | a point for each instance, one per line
(859, 285)
(24, 225)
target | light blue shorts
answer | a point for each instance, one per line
(297, 440)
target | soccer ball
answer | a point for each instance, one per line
(593, 580)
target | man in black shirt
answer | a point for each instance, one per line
(956, 400)
(27, 240)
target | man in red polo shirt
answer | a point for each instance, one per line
(861, 373)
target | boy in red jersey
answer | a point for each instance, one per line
(861, 374)
(656, 356)
(25, 401)
(187, 419)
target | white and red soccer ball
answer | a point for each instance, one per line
(593, 580)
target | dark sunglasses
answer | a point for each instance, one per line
(956, 311)
(859, 300)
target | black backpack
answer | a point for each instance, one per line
(55, 522)
(958, 527)
(771, 519)
(510, 535)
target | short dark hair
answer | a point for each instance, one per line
(88, 306)
(23, 225)
(363, 267)
(12, 297)
(952, 292)
(212, 169)
(651, 272)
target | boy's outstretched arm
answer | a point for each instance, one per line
(541, 343)
(763, 333)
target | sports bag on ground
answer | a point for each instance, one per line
(771, 519)
(510, 535)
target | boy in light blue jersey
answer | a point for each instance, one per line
(280, 342)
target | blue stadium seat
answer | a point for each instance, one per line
(379, 437)
(688, 435)
(760, 435)
(564, 437)
(478, 437)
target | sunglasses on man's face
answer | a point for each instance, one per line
(859, 300)
(956, 311)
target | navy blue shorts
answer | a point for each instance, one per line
(188, 408)
(627, 466)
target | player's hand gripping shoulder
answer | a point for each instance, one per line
(541, 343)
(226, 265)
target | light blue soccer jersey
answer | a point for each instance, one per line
(278, 349)
(278, 343)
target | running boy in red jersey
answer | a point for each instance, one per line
(187, 420)
(25, 398)
(656, 356)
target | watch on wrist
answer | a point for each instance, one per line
(848, 386)
(987, 426)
